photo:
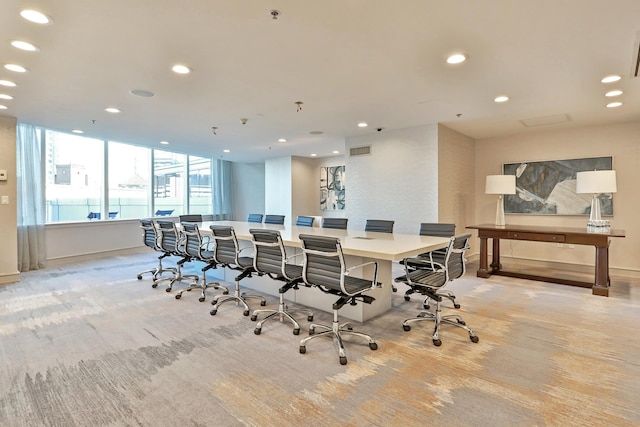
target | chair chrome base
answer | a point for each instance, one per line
(280, 313)
(438, 319)
(445, 293)
(203, 286)
(156, 273)
(218, 300)
(336, 330)
(178, 278)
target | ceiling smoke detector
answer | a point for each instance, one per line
(274, 14)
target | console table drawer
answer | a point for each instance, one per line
(538, 237)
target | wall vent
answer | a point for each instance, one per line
(360, 151)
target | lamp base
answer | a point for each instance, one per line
(595, 219)
(500, 213)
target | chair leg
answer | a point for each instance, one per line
(218, 300)
(336, 330)
(280, 313)
(179, 277)
(438, 319)
(203, 285)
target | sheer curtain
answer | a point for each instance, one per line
(222, 190)
(31, 206)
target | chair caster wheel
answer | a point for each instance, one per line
(437, 343)
(178, 296)
(168, 290)
(474, 339)
(254, 317)
(303, 349)
(201, 299)
(426, 306)
(343, 360)
(257, 331)
(407, 328)
(213, 312)
(296, 332)
(310, 318)
(462, 322)
(407, 298)
(225, 293)
(394, 289)
(139, 277)
(245, 313)
(263, 303)
(456, 305)
(312, 331)
(155, 285)
(373, 346)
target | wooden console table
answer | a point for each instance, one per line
(565, 235)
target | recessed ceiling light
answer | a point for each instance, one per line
(77, 131)
(313, 154)
(610, 79)
(282, 140)
(3, 107)
(181, 69)
(111, 110)
(164, 142)
(35, 16)
(142, 93)
(7, 83)
(362, 125)
(22, 45)
(501, 98)
(614, 104)
(456, 58)
(227, 151)
(16, 68)
(336, 152)
(615, 92)
(4, 96)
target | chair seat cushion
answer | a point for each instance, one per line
(245, 262)
(293, 271)
(422, 277)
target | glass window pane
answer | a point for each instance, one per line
(129, 176)
(168, 183)
(74, 177)
(199, 185)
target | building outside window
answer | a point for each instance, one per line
(129, 181)
(169, 186)
(199, 185)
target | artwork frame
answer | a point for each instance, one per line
(549, 187)
(332, 188)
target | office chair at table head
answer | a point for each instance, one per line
(254, 218)
(274, 219)
(379, 225)
(335, 223)
(305, 221)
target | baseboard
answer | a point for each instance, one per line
(52, 262)
(9, 278)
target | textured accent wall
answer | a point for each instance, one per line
(397, 181)
(8, 213)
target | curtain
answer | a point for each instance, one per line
(31, 206)
(222, 189)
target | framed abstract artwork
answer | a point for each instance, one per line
(332, 188)
(549, 187)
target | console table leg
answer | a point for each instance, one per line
(601, 286)
(483, 271)
(495, 263)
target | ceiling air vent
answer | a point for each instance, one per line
(360, 151)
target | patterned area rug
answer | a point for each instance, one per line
(88, 344)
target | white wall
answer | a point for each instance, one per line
(248, 189)
(305, 187)
(397, 181)
(8, 213)
(277, 183)
(622, 141)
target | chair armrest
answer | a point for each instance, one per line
(374, 281)
(293, 256)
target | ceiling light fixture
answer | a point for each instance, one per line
(610, 79)
(274, 13)
(35, 16)
(16, 68)
(7, 83)
(5, 96)
(313, 154)
(22, 45)
(3, 107)
(181, 69)
(362, 125)
(501, 98)
(298, 106)
(315, 132)
(456, 58)
(112, 110)
(614, 104)
(226, 151)
(335, 152)
(77, 131)
(615, 92)
(164, 142)
(282, 140)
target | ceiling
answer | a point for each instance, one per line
(348, 61)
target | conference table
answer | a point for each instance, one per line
(358, 247)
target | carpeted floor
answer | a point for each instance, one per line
(89, 345)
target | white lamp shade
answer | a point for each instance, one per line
(500, 184)
(596, 182)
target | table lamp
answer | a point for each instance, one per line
(500, 184)
(596, 182)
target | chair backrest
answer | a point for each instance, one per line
(191, 218)
(168, 236)
(226, 248)
(437, 229)
(112, 215)
(254, 218)
(455, 260)
(207, 217)
(93, 215)
(336, 223)
(324, 263)
(149, 237)
(305, 221)
(269, 253)
(379, 225)
(193, 240)
(274, 219)
(164, 212)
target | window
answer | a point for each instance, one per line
(74, 177)
(169, 186)
(129, 178)
(199, 185)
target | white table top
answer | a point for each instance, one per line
(383, 246)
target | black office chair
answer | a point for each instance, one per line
(191, 218)
(150, 239)
(195, 245)
(274, 219)
(270, 258)
(207, 217)
(226, 253)
(324, 267)
(254, 218)
(172, 243)
(379, 225)
(429, 282)
(335, 223)
(305, 221)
